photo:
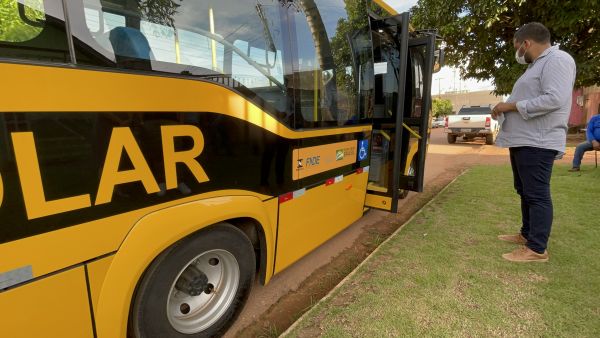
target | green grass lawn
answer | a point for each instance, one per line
(443, 274)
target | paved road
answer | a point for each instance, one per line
(441, 157)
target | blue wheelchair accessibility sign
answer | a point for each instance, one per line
(363, 149)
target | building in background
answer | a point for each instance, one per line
(577, 111)
(591, 102)
(586, 103)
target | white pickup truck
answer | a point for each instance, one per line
(472, 122)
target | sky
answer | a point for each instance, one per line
(401, 5)
(447, 79)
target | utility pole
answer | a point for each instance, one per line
(454, 80)
(440, 86)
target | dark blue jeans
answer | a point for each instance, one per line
(579, 151)
(532, 170)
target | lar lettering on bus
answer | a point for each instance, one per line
(188, 157)
(30, 178)
(121, 141)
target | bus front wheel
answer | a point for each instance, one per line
(195, 288)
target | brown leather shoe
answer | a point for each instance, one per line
(573, 170)
(524, 254)
(518, 239)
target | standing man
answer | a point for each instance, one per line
(534, 127)
(592, 142)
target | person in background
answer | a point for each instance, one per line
(533, 125)
(592, 142)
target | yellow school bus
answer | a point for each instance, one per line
(158, 156)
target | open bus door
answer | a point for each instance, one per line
(403, 72)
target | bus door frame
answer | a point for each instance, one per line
(388, 200)
(415, 183)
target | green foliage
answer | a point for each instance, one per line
(12, 26)
(159, 11)
(479, 34)
(16, 28)
(340, 48)
(442, 107)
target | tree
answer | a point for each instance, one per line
(479, 34)
(15, 26)
(441, 107)
(356, 21)
(159, 11)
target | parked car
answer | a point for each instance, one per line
(438, 122)
(472, 122)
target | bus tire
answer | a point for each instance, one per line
(195, 288)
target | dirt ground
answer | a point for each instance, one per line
(273, 308)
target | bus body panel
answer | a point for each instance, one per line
(55, 250)
(96, 273)
(78, 243)
(316, 215)
(59, 89)
(156, 232)
(58, 92)
(55, 307)
(116, 276)
(87, 253)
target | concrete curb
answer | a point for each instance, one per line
(345, 280)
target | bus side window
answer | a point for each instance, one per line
(196, 50)
(333, 64)
(236, 43)
(24, 33)
(101, 23)
(250, 77)
(315, 100)
(417, 95)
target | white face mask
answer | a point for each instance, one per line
(521, 59)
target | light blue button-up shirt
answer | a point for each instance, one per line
(543, 95)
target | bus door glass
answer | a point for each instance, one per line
(403, 70)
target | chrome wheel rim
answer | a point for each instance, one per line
(192, 314)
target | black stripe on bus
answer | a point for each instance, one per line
(71, 148)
